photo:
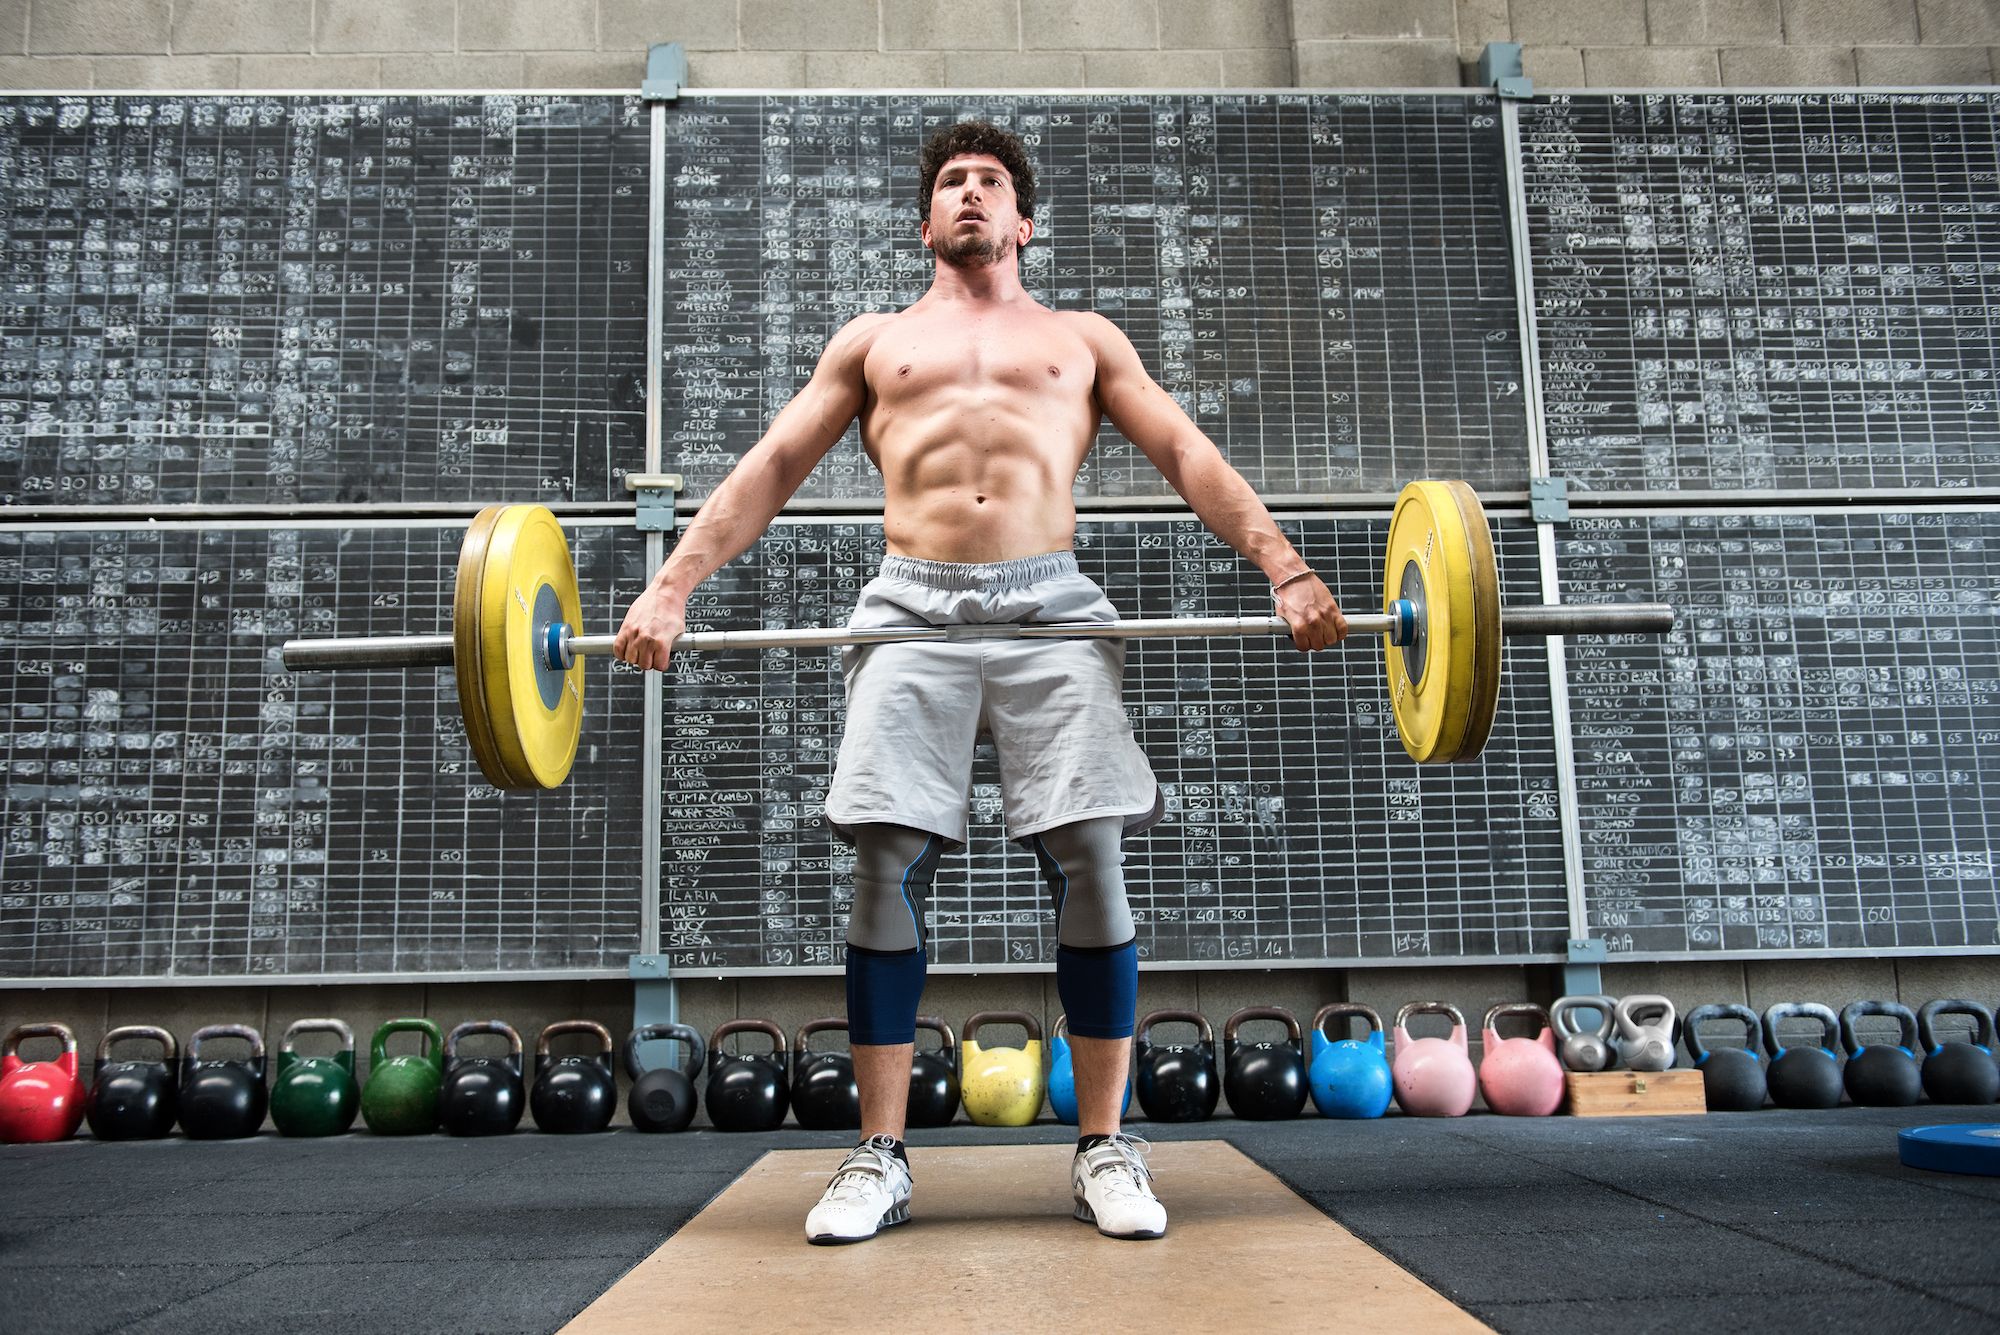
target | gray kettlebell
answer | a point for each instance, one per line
(1646, 1032)
(1584, 1050)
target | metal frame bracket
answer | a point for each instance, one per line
(666, 72)
(1581, 975)
(1500, 70)
(1548, 499)
(655, 494)
(655, 999)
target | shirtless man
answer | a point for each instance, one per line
(978, 405)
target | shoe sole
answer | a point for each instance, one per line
(1089, 1216)
(898, 1214)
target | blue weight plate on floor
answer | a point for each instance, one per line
(1951, 1149)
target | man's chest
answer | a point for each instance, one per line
(916, 359)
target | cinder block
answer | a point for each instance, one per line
(1553, 66)
(528, 25)
(85, 1012)
(1788, 67)
(1152, 69)
(53, 74)
(100, 28)
(14, 27)
(698, 25)
(582, 69)
(1078, 25)
(938, 25)
(1958, 22)
(1258, 69)
(1676, 22)
(1923, 66)
(746, 69)
(875, 69)
(1849, 22)
(1687, 983)
(1481, 22)
(369, 25)
(182, 1010)
(1973, 977)
(1656, 67)
(239, 26)
(190, 73)
(1580, 22)
(810, 25)
(1378, 65)
(1013, 69)
(302, 72)
(1220, 993)
(1830, 982)
(1745, 22)
(1224, 24)
(1335, 19)
(442, 71)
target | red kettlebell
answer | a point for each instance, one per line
(1520, 1077)
(1433, 1076)
(39, 1101)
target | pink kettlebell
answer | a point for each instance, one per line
(1433, 1075)
(1521, 1077)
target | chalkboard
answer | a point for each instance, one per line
(1807, 762)
(1321, 281)
(259, 300)
(1763, 292)
(176, 805)
(1296, 829)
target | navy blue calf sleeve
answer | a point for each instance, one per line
(1099, 988)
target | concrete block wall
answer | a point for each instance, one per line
(1182, 44)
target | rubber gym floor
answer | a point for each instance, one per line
(1728, 1222)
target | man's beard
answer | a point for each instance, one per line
(973, 252)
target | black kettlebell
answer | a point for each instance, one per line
(484, 1095)
(576, 1094)
(1803, 1077)
(223, 1100)
(1733, 1079)
(1954, 1072)
(746, 1093)
(662, 1099)
(135, 1100)
(1264, 1081)
(1881, 1075)
(824, 1095)
(934, 1078)
(1176, 1083)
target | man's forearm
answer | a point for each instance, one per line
(733, 517)
(1233, 512)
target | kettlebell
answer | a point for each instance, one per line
(482, 1096)
(401, 1096)
(39, 1101)
(1584, 1051)
(575, 1094)
(1645, 1032)
(1958, 1072)
(315, 1096)
(223, 1100)
(1881, 1075)
(1803, 1077)
(1264, 1082)
(747, 1092)
(1434, 1076)
(824, 1094)
(934, 1077)
(1733, 1079)
(135, 1100)
(1002, 1086)
(1520, 1077)
(663, 1098)
(1177, 1083)
(1349, 1077)
(1062, 1077)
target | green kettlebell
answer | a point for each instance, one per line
(401, 1096)
(315, 1096)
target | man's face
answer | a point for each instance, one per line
(973, 213)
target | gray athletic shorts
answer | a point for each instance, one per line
(1054, 708)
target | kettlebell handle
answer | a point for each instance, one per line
(433, 1049)
(1021, 1018)
(20, 1033)
(936, 1024)
(1658, 1012)
(1982, 1023)
(1524, 1008)
(811, 1027)
(1604, 1006)
(1444, 1008)
(1701, 1015)
(561, 1027)
(170, 1047)
(665, 1033)
(1346, 1010)
(471, 1027)
(1800, 1010)
(242, 1031)
(1205, 1035)
(766, 1027)
(1293, 1034)
(324, 1026)
(1905, 1018)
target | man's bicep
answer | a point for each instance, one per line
(807, 427)
(1143, 412)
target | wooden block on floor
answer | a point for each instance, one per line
(991, 1245)
(1635, 1094)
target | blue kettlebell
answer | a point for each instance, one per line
(1062, 1078)
(1349, 1077)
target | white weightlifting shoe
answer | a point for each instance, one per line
(1113, 1189)
(870, 1191)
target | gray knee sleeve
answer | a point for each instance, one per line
(1084, 864)
(893, 869)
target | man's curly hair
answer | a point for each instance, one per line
(977, 137)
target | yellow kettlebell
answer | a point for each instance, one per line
(1003, 1086)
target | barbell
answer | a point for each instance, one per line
(515, 648)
